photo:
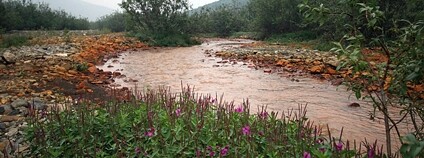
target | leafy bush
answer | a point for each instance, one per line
(164, 40)
(81, 67)
(161, 124)
(299, 36)
(13, 41)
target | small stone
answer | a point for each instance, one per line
(12, 132)
(354, 105)
(9, 57)
(14, 112)
(331, 71)
(10, 118)
(19, 103)
(5, 146)
(3, 126)
(316, 69)
(267, 70)
(38, 104)
(23, 148)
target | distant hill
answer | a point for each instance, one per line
(78, 8)
(213, 5)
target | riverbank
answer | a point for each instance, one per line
(54, 69)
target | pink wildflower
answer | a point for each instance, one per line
(263, 115)
(339, 146)
(246, 130)
(306, 155)
(224, 151)
(150, 133)
(178, 112)
(239, 109)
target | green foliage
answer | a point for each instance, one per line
(162, 124)
(400, 42)
(159, 19)
(13, 41)
(81, 67)
(293, 37)
(25, 15)
(222, 21)
(174, 40)
(115, 22)
(412, 147)
(275, 16)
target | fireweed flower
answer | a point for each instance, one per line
(339, 146)
(261, 133)
(263, 115)
(212, 154)
(224, 151)
(371, 152)
(198, 153)
(213, 100)
(322, 149)
(239, 109)
(246, 130)
(137, 150)
(150, 133)
(178, 112)
(306, 155)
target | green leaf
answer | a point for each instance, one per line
(358, 94)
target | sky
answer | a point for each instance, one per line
(113, 4)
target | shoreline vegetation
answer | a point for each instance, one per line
(158, 123)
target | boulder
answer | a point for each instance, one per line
(5, 109)
(8, 57)
(19, 103)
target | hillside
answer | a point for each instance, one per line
(78, 8)
(219, 3)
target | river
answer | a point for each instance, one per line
(326, 104)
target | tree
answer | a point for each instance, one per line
(398, 78)
(158, 17)
(115, 22)
(275, 16)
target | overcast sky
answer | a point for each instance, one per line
(114, 3)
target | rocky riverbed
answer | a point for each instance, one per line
(51, 70)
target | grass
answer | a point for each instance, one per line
(163, 124)
(13, 41)
(302, 38)
(166, 40)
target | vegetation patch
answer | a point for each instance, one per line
(13, 41)
(161, 124)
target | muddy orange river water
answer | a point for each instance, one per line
(327, 104)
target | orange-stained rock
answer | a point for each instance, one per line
(92, 69)
(90, 91)
(331, 71)
(48, 92)
(10, 118)
(60, 69)
(73, 72)
(82, 85)
(282, 62)
(419, 88)
(316, 69)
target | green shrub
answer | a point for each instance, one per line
(81, 67)
(13, 41)
(163, 40)
(175, 125)
(300, 36)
